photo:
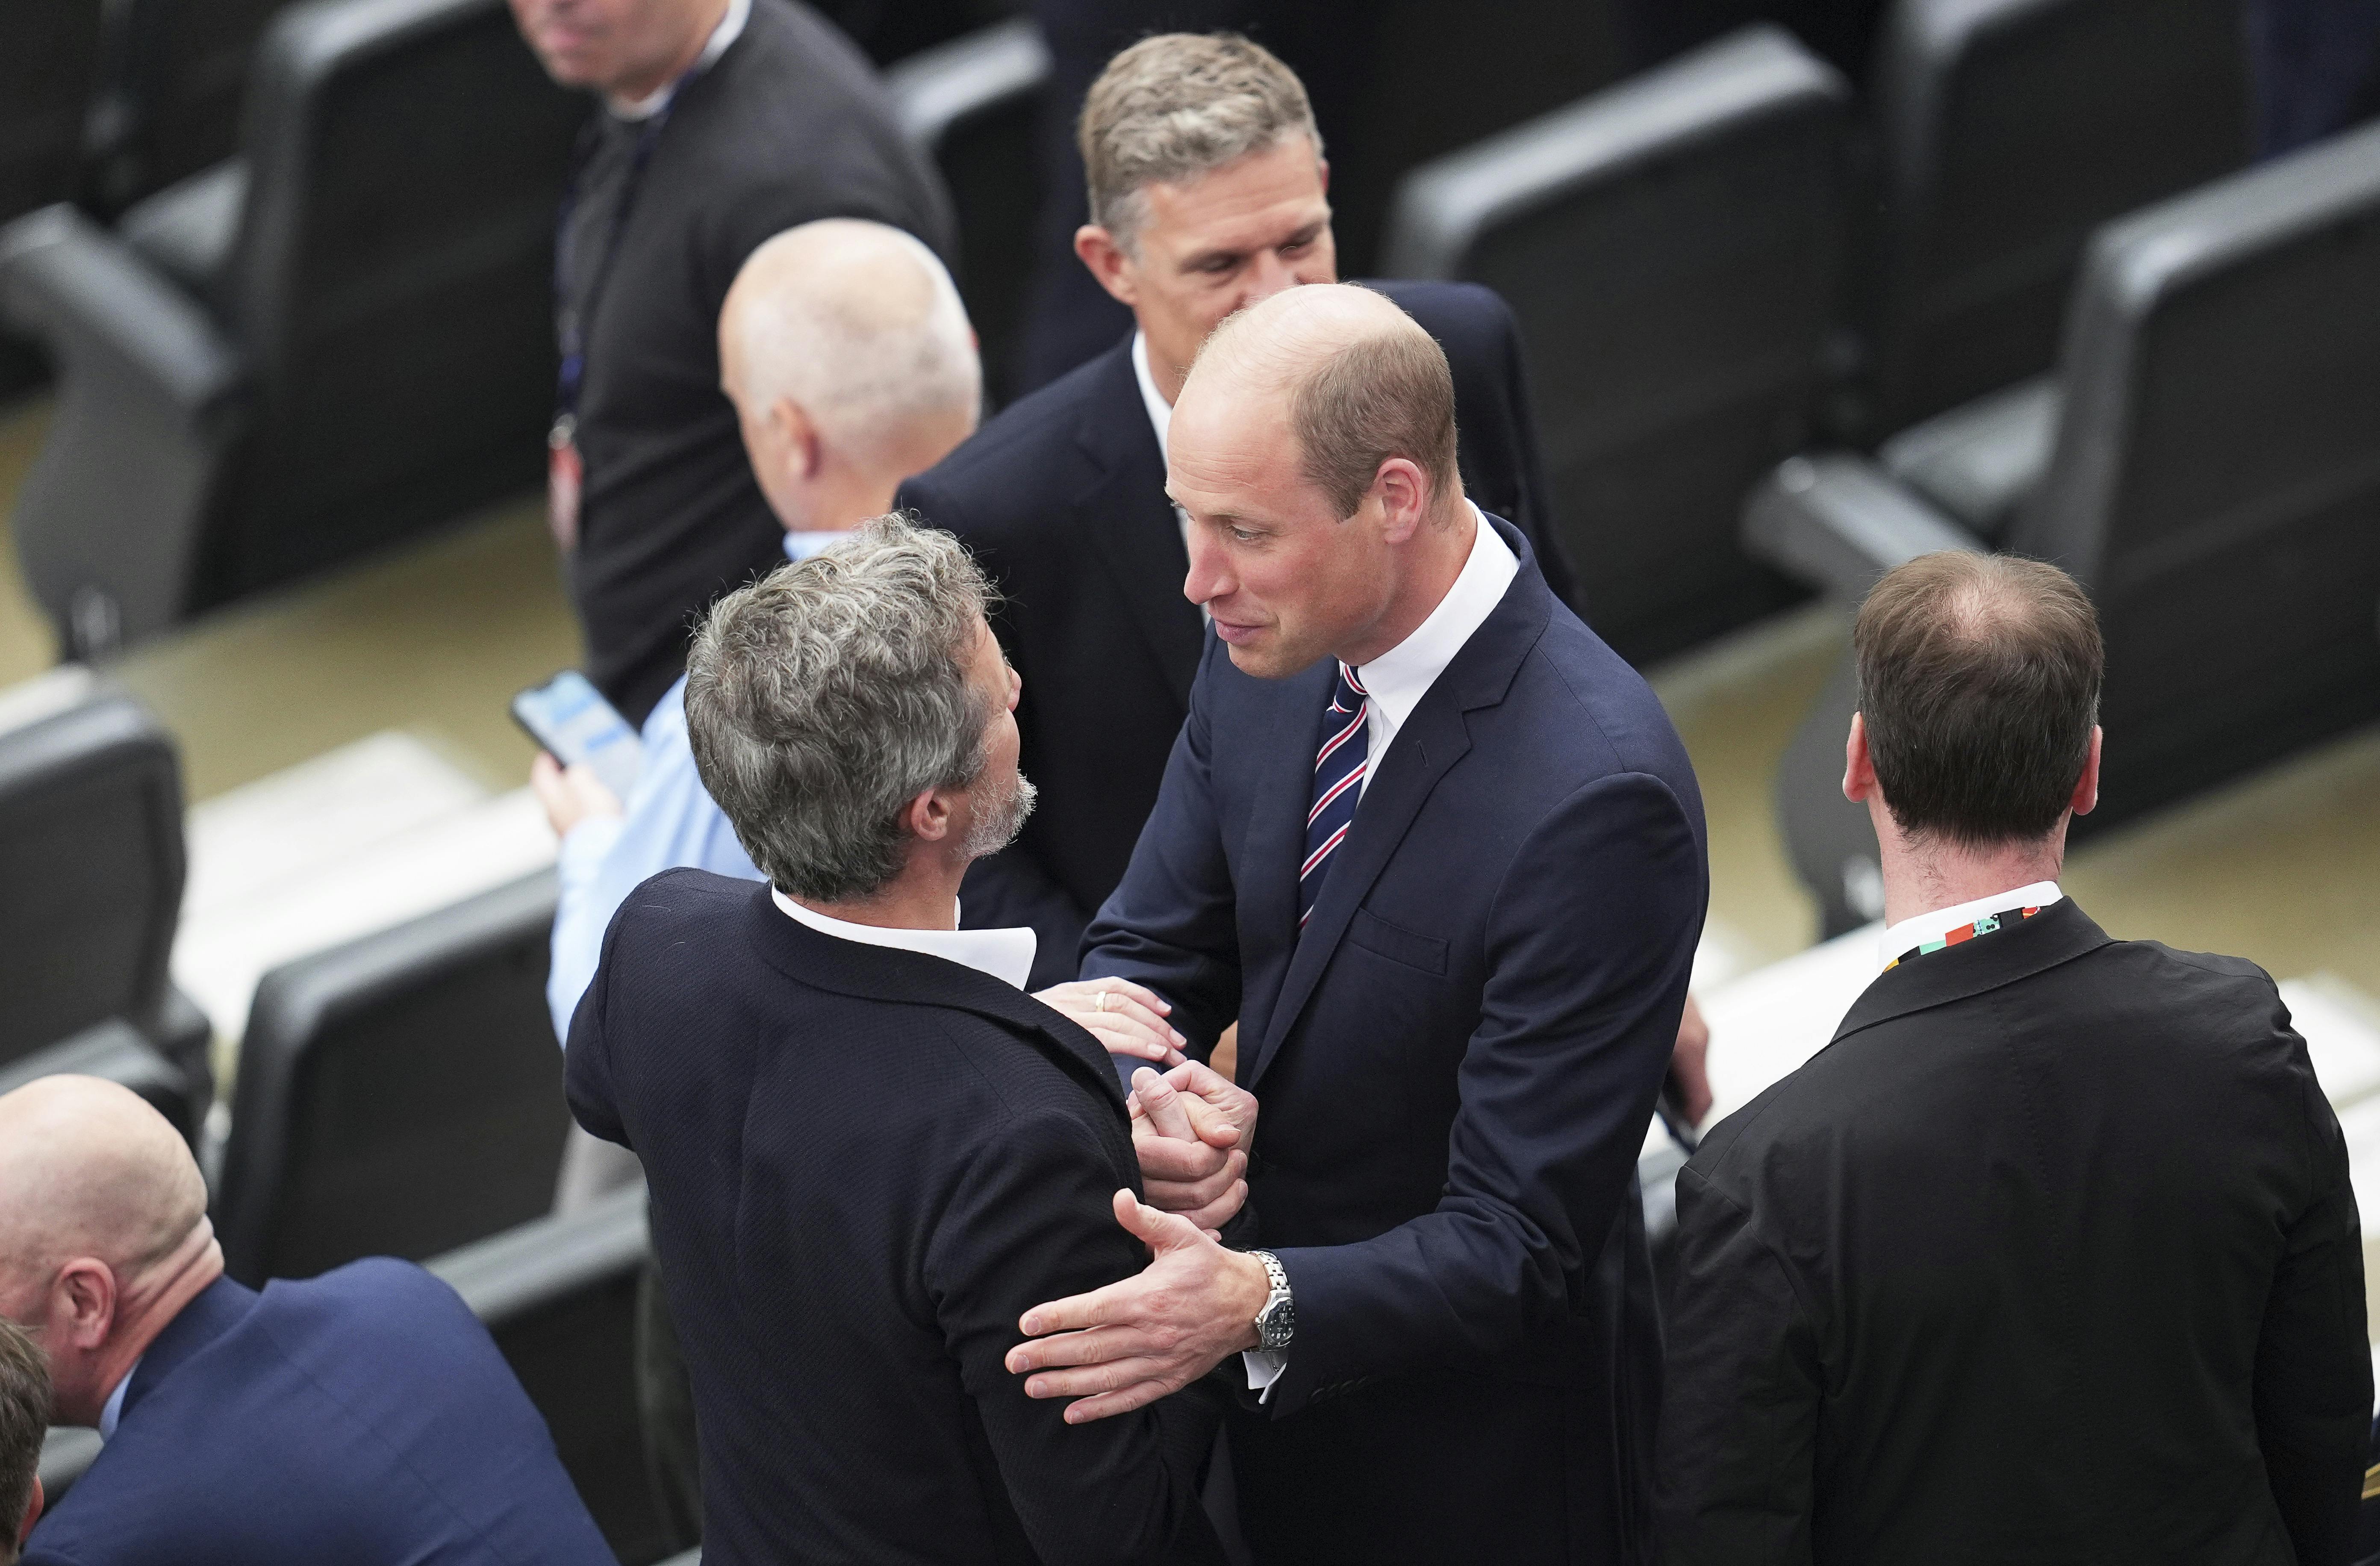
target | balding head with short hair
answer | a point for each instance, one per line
(103, 1230)
(1362, 383)
(1979, 680)
(847, 354)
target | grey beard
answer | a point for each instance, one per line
(996, 827)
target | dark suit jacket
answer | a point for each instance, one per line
(1456, 1062)
(2050, 1257)
(790, 125)
(362, 1417)
(865, 1165)
(1062, 498)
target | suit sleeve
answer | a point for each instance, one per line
(2314, 1360)
(1736, 1462)
(1589, 943)
(1030, 1221)
(1172, 923)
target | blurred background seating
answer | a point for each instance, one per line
(1805, 287)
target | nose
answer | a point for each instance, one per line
(1207, 579)
(1268, 275)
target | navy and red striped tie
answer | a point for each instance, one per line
(1338, 785)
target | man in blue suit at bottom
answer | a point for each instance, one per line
(362, 1417)
(1439, 853)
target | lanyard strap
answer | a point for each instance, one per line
(576, 317)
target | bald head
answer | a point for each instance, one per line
(87, 1168)
(103, 1229)
(843, 346)
(1361, 379)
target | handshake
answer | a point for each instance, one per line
(1191, 1127)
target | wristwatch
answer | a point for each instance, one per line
(1278, 1321)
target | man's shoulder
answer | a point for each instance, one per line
(787, 45)
(999, 481)
(1573, 694)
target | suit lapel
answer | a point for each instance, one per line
(1433, 739)
(1131, 525)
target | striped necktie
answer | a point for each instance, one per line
(1338, 784)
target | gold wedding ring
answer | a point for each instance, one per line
(1100, 1004)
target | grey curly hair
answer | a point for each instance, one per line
(822, 699)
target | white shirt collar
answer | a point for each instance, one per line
(113, 1411)
(1005, 954)
(1160, 412)
(1911, 933)
(802, 545)
(1399, 678)
(730, 28)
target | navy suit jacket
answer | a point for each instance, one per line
(865, 1164)
(1456, 1062)
(363, 1417)
(1062, 498)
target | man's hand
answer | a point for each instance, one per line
(569, 795)
(1124, 1346)
(1688, 1062)
(1124, 1018)
(1192, 1130)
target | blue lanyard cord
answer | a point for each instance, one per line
(576, 317)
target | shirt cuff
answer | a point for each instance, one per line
(1264, 1367)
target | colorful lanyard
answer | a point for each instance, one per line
(1965, 932)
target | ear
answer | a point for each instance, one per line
(2086, 787)
(928, 815)
(1115, 270)
(1403, 492)
(33, 1505)
(88, 1290)
(797, 439)
(1322, 171)
(1859, 773)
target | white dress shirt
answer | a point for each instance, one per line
(1934, 925)
(1005, 954)
(1160, 419)
(1399, 678)
(729, 28)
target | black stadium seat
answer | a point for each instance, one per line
(398, 1096)
(971, 106)
(1671, 249)
(90, 854)
(176, 72)
(338, 340)
(2213, 481)
(2007, 130)
(559, 1294)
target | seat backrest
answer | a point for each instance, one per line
(92, 861)
(391, 284)
(559, 1296)
(2216, 479)
(49, 73)
(1670, 247)
(2008, 130)
(398, 1096)
(971, 106)
(176, 70)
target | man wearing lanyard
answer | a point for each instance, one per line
(2051, 1254)
(722, 122)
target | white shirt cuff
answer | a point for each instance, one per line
(1264, 1367)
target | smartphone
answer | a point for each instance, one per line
(570, 718)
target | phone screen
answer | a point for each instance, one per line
(570, 718)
